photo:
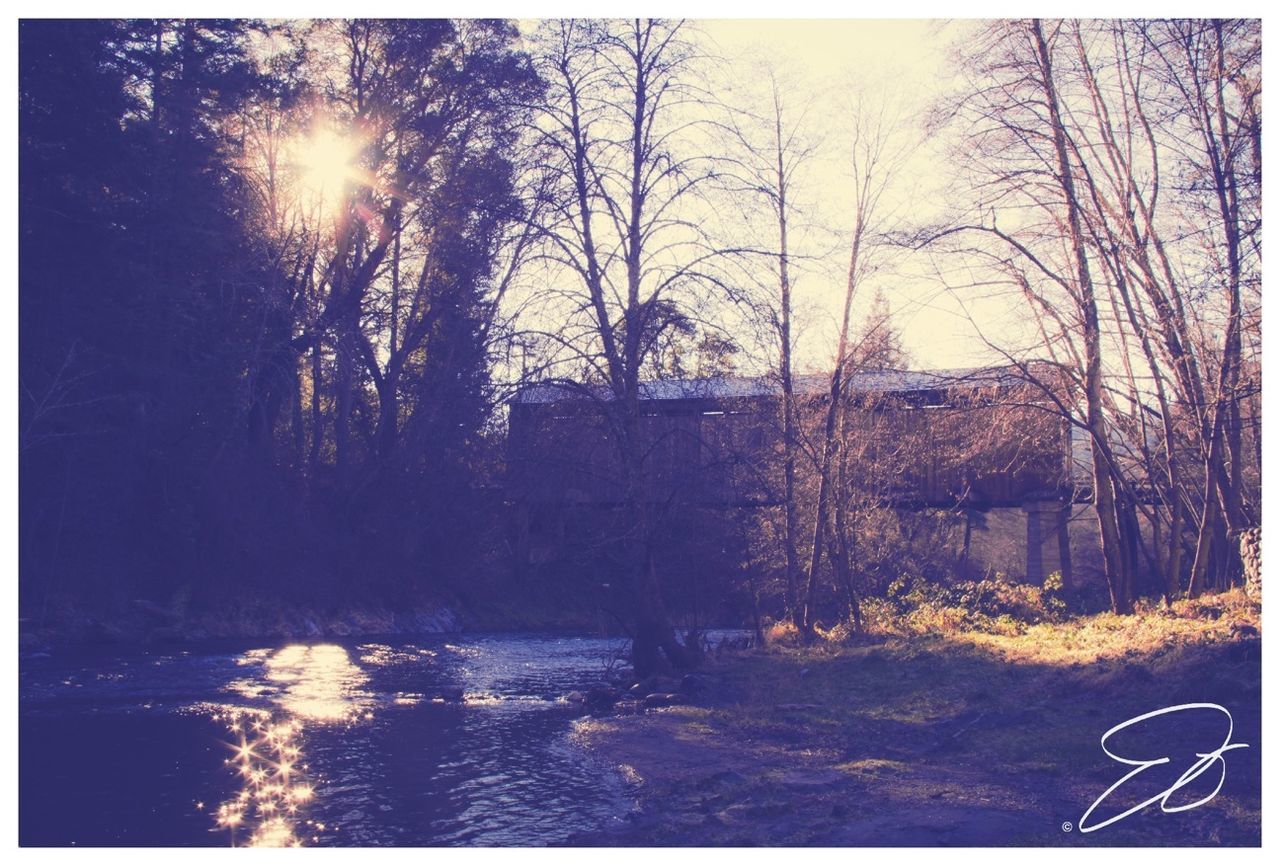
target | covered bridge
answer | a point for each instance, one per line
(979, 440)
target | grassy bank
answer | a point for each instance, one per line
(954, 739)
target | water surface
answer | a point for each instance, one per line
(440, 741)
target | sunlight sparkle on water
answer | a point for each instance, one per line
(318, 683)
(305, 684)
(272, 790)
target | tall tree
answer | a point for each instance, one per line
(876, 156)
(625, 251)
(153, 198)
(1094, 150)
(770, 148)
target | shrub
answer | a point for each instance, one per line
(841, 632)
(996, 604)
(784, 632)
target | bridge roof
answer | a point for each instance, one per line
(729, 387)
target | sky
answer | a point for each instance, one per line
(906, 63)
(821, 64)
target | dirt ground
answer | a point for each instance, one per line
(965, 739)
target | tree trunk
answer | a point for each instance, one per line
(388, 413)
(1103, 492)
(317, 415)
(791, 528)
(343, 387)
(654, 647)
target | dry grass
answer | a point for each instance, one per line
(996, 735)
(784, 632)
(1153, 632)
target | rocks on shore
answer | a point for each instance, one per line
(651, 693)
(663, 699)
(604, 698)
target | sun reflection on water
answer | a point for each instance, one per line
(274, 788)
(307, 685)
(314, 682)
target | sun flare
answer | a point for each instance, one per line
(325, 162)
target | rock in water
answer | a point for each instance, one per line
(600, 699)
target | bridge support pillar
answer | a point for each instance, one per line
(1048, 543)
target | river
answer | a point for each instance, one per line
(459, 740)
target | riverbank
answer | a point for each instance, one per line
(176, 622)
(147, 623)
(958, 739)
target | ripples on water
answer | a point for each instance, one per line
(320, 744)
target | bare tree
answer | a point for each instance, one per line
(1074, 130)
(624, 252)
(877, 155)
(770, 148)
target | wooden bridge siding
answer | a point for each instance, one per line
(938, 455)
(571, 456)
(703, 451)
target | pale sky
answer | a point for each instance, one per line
(821, 62)
(907, 61)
